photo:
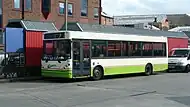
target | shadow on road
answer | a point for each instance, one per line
(61, 80)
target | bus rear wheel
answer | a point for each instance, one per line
(97, 73)
(148, 70)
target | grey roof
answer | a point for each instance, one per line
(72, 26)
(42, 26)
(32, 25)
(187, 33)
(179, 19)
(120, 30)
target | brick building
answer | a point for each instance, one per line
(84, 11)
(106, 19)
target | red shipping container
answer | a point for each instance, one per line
(177, 43)
(34, 48)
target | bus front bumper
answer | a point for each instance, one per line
(57, 73)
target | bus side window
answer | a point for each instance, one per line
(146, 49)
(135, 49)
(158, 49)
(114, 48)
(124, 48)
(98, 48)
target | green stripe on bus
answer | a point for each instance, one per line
(132, 69)
(57, 73)
(114, 70)
(160, 67)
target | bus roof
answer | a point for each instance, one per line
(105, 36)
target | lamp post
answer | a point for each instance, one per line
(66, 14)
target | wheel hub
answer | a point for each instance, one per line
(97, 73)
(148, 70)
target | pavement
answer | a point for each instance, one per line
(162, 90)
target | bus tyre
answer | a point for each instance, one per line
(148, 70)
(187, 68)
(97, 73)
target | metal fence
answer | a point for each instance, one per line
(11, 65)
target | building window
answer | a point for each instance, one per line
(70, 9)
(0, 7)
(28, 4)
(0, 3)
(61, 8)
(96, 12)
(17, 4)
(84, 7)
(46, 5)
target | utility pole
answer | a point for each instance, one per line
(23, 9)
(66, 14)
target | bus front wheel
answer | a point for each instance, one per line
(97, 73)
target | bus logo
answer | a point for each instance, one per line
(50, 66)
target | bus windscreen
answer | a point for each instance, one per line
(57, 50)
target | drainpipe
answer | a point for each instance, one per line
(100, 10)
(23, 9)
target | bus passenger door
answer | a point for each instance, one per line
(81, 58)
(85, 57)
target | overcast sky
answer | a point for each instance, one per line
(132, 7)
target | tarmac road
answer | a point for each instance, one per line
(163, 90)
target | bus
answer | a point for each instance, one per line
(76, 54)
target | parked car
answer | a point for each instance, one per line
(179, 60)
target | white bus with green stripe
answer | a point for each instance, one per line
(76, 54)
